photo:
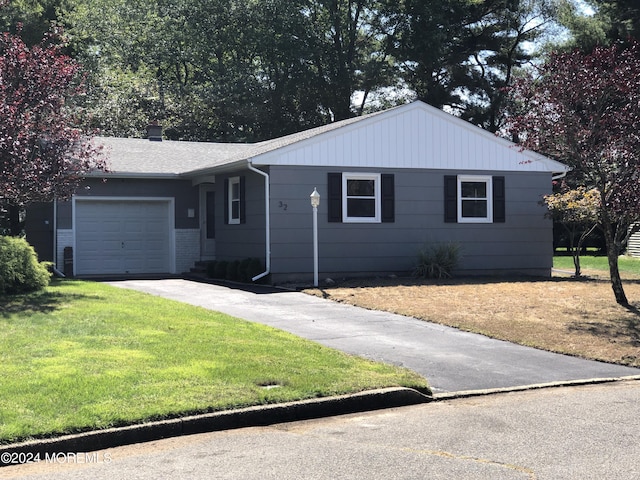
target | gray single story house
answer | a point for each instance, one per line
(389, 182)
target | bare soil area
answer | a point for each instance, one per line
(573, 316)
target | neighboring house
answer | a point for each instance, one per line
(389, 183)
(633, 244)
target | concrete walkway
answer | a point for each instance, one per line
(452, 360)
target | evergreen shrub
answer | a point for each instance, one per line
(20, 270)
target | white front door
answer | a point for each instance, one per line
(207, 222)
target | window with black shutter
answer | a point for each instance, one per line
(474, 199)
(361, 197)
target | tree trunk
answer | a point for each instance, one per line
(575, 252)
(578, 249)
(614, 272)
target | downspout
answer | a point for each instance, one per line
(56, 270)
(267, 225)
(55, 232)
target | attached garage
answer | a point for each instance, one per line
(122, 236)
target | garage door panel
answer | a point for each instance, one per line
(109, 266)
(120, 237)
(130, 227)
(154, 228)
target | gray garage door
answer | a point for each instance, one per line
(122, 237)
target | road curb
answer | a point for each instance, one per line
(257, 416)
(438, 397)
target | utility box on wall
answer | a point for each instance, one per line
(68, 262)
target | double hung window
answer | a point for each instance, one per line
(234, 201)
(474, 199)
(361, 199)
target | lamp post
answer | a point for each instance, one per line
(315, 202)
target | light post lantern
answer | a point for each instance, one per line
(315, 202)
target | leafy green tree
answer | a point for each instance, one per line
(460, 54)
(203, 68)
(130, 52)
(586, 31)
(247, 71)
(31, 18)
(577, 211)
(290, 88)
(229, 70)
(606, 22)
(622, 16)
(350, 50)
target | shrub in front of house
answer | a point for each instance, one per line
(20, 270)
(437, 260)
(243, 270)
(220, 269)
(254, 268)
(211, 268)
(236, 270)
(232, 271)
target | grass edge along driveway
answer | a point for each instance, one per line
(83, 355)
(560, 314)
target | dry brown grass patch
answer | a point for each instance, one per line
(576, 317)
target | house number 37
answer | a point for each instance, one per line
(282, 205)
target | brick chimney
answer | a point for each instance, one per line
(154, 131)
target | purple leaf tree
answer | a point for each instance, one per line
(584, 110)
(43, 153)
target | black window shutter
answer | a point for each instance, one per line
(226, 201)
(334, 192)
(450, 198)
(499, 203)
(243, 210)
(388, 198)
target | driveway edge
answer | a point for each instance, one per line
(257, 416)
(437, 397)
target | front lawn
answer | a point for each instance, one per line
(85, 355)
(561, 314)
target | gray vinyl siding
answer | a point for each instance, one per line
(184, 193)
(39, 229)
(520, 245)
(237, 242)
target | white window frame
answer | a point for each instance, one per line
(377, 197)
(488, 180)
(234, 220)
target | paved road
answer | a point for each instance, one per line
(582, 433)
(451, 360)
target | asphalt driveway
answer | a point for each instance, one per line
(450, 359)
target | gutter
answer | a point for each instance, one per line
(559, 175)
(267, 222)
(55, 268)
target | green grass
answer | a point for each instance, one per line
(629, 265)
(84, 355)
